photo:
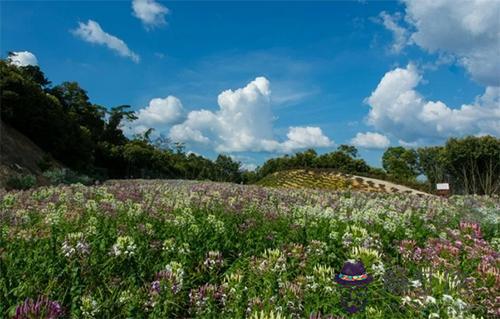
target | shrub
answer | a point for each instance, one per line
(66, 176)
(23, 182)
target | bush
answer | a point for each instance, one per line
(55, 176)
(21, 182)
(66, 176)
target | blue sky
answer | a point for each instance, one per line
(367, 73)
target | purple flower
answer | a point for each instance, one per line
(214, 260)
(155, 286)
(41, 308)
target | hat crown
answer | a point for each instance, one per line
(353, 269)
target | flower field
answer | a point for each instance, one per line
(178, 249)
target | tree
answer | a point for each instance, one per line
(474, 163)
(76, 102)
(432, 161)
(401, 163)
(28, 106)
(304, 159)
(116, 116)
(227, 169)
(348, 149)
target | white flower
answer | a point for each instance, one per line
(433, 315)
(406, 300)
(125, 296)
(124, 245)
(418, 302)
(447, 298)
(378, 269)
(430, 299)
(460, 304)
(416, 283)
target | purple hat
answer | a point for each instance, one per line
(353, 274)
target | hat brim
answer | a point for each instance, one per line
(366, 281)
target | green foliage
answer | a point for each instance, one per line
(227, 169)
(66, 176)
(342, 160)
(474, 163)
(21, 182)
(349, 150)
(471, 165)
(400, 162)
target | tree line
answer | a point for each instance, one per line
(88, 139)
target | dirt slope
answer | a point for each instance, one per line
(18, 155)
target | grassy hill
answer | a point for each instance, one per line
(331, 180)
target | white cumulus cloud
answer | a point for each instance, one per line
(23, 58)
(151, 13)
(303, 137)
(398, 109)
(244, 122)
(93, 33)
(469, 30)
(159, 113)
(371, 140)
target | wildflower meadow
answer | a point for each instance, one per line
(179, 249)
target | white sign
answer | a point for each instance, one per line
(442, 186)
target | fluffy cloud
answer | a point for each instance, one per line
(468, 30)
(298, 138)
(159, 113)
(23, 58)
(243, 122)
(399, 33)
(150, 12)
(398, 109)
(370, 140)
(93, 33)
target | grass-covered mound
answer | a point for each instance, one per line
(329, 180)
(204, 250)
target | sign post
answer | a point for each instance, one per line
(443, 189)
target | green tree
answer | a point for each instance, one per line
(474, 164)
(116, 117)
(432, 161)
(304, 159)
(227, 169)
(401, 163)
(29, 106)
(348, 149)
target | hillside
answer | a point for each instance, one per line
(331, 180)
(18, 155)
